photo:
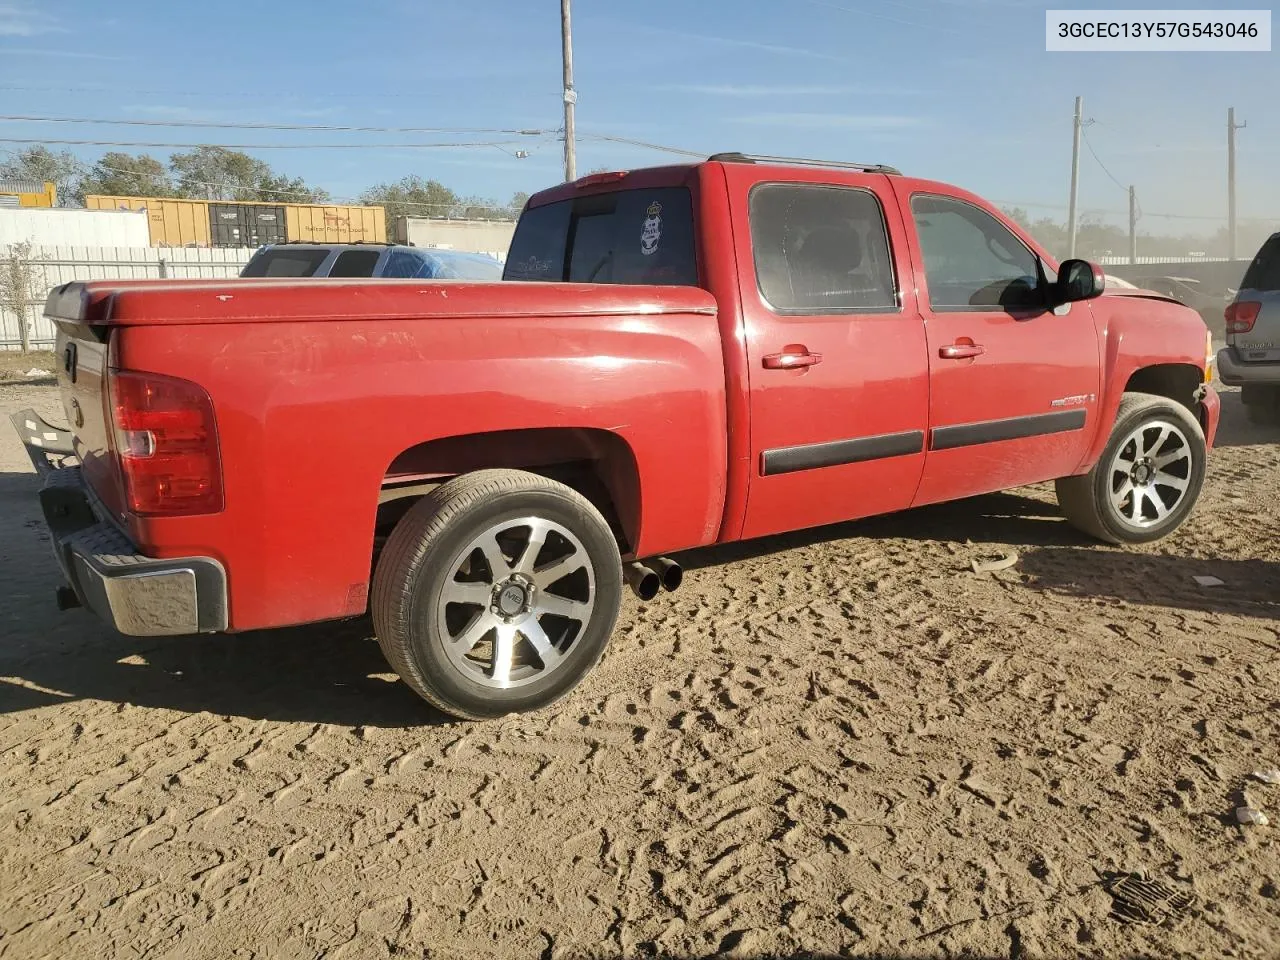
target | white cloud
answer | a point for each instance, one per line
(61, 54)
(780, 90)
(735, 42)
(847, 121)
(24, 20)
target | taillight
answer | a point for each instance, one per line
(1241, 317)
(166, 443)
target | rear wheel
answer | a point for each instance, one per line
(497, 593)
(1148, 478)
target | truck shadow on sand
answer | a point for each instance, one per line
(324, 673)
(998, 518)
(1236, 430)
(335, 673)
(1249, 588)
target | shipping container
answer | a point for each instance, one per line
(73, 228)
(472, 236)
(204, 223)
(245, 224)
(173, 223)
(333, 224)
(28, 193)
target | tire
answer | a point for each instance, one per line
(1165, 473)
(478, 642)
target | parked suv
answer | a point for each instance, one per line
(359, 260)
(1251, 358)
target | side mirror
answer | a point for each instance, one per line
(1079, 280)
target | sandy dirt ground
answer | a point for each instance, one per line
(842, 742)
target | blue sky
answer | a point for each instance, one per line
(958, 90)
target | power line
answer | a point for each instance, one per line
(220, 125)
(263, 146)
(543, 135)
(277, 95)
(679, 151)
(1099, 161)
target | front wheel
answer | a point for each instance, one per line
(1148, 478)
(496, 593)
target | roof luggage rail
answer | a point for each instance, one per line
(736, 157)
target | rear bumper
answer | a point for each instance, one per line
(138, 595)
(1233, 373)
(46, 444)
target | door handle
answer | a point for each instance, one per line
(960, 351)
(792, 357)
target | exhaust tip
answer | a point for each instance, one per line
(670, 572)
(644, 583)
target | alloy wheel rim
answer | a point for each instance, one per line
(518, 597)
(1150, 474)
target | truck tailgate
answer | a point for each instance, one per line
(82, 359)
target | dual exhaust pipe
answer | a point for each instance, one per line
(646, 579)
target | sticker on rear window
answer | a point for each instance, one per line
(652, 231)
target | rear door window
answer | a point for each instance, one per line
(821, 249)
(1264, 271)
(283, 262)
(627, 236)
(355, 263)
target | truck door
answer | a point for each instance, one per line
(1013, 386)
(835, 348)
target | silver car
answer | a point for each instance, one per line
(1251, 358)
(381, 260)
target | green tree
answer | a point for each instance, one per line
(282, 189)
(412, 196)
(1018, 216)
(41, 164)
(479, 208)
(516, 205)
(124, 174)
(216, 173)
(18, 288)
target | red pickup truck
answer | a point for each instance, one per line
(676, 357)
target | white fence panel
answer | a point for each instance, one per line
(56, 265)
(1146, 261)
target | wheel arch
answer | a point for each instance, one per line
(599, 464)
(1176, 381)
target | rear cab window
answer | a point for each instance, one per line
(1263, 273)
(636, 236)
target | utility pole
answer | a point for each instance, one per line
(1232, 127)
(570, 95)
(1133, 226)
(1075, 177)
